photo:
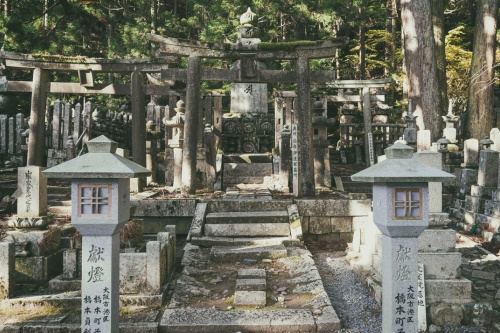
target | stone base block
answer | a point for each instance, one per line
(251, 284)
(58, 284)
(438, 219)
(247, 229)
(34, 222)
(437, 240)
(213, 321)
(252, 298)
(32, 238)
(247, 217)
(441, 265)
(38, 269)
(456, 291)
(231, 253)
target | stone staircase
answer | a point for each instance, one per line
(251, 222)
(246, 169)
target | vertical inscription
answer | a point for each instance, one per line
(28, 176)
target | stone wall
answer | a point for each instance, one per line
(157, 214)
(333, 219)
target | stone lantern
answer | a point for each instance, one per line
(100, 200)
(401, 212)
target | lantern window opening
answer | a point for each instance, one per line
(94, 199)
(407, 204)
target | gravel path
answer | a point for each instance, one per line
(356, 308)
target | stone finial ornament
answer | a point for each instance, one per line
(248, 19)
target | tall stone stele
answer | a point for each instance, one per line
(100, 201)
(401, 212)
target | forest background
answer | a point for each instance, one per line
(376, 49)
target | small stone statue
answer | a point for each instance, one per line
(178, 119)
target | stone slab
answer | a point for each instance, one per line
(436, 240)
(327, 320)
(483, 275)
(198, 220)
(251, 273)
(38, 269)
(209, 241)
(214, 321)
(322, 207)
(162, 207)
(247, 229)
(247, 217)
(32, 192)
(251, 285)
(441, 265)
(456, 291)
(246, 169)
(238, 253)
(248, 206)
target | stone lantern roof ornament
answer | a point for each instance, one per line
(248, 19)
(450, 117)
(486, 143)
(410, 119)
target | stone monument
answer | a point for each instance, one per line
(401, 213)
(320, 123)
(177, 141)
(100, 195)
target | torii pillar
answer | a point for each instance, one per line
(191, 122)
(304, 116)
(36, 140)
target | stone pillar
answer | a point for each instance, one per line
(3, 134)
(487, 175)
(210, 157)
(7, 269)
(367, 126)
(303, 114)
(100, 281)
(191, 125)
(31, 199)
(286, 158)
(36, 139)
(433, 159)
(471, 153)
(138, 128)
(423, 140)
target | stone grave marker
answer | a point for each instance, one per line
(249, 98)
(295, 160)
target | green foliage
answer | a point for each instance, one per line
(458, 60)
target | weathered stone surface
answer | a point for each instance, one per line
(198, 220)
(446, 314)
(436, 240)
(213, 321)
(317, 207)
(251, 273)
(248, 97)
(488, 168)
(38, 269)
(294, 220)
(133, 268)
(162, 208)
(483, 275)
(468, 178)
(247, 229)
(7, 267)
(232, 253)
(248, 206)
(251, 285)
(32, 192)
(327, 320)
(471, 153)
(455, 291)
(441, 265)
(247, 217)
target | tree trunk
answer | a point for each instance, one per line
(420, 62)
(362, 53)
(437, 9)
(480, 102)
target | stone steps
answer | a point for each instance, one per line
(238, 253)
(247, 229)
(248, 206)
(208, 241)
(247, 217)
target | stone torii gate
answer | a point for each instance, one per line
(250, 51)
(41, 85)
